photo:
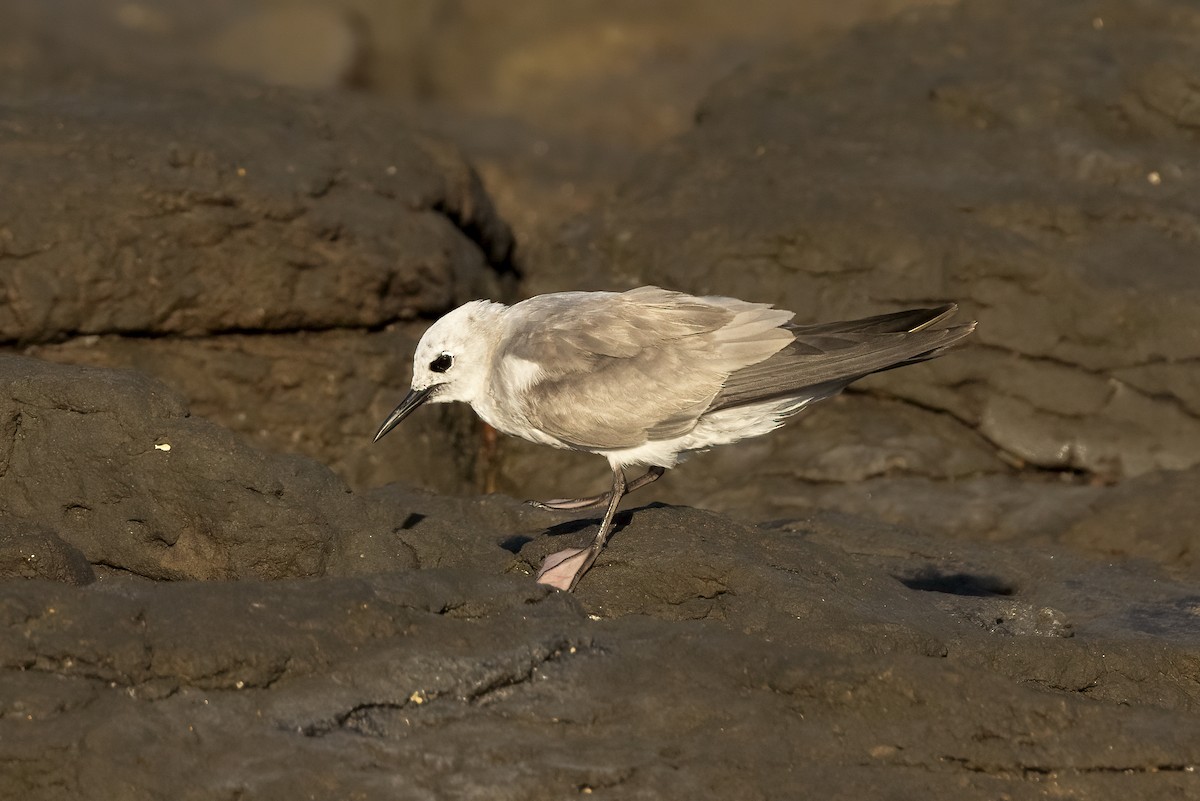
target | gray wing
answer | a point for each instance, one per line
(895, 322)
(825, 358)
(614, 370)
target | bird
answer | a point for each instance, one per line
(649, 376)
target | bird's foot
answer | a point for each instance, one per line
(597, 501)
(569, 504)
(562, 570)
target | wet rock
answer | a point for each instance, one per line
(908, 647)
(918, 614)
(1146, 519)
(995, 508)
(483, 534)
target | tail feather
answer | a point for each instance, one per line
(893, 323)
(826, 358)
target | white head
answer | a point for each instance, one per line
(454, 356)
(453, 359)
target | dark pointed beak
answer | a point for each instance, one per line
(412, 400)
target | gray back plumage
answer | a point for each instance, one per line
(617, 369)
(603, 370)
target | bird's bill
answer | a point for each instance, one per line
(412, 400)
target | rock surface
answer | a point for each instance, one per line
(404, 650)
(249, 210)
(112, 464)
(30, 551)
(1024, 160)
(969, 579)
(263, 252)
(700, 657)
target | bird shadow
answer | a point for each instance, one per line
(412, 520)
(979, 585)
(516, 542)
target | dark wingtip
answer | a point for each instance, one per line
(935, 315)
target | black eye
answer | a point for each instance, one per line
(442, 363)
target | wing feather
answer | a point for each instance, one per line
(896, 322)
(619, 369)
(825, 359)
(609, 370)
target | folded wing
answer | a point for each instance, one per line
(825, 358)
(614, 370)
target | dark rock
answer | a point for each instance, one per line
(699, 657)
(740, 644)
(258, 250)
(111, 461)
(246, 210)
(995, 508)
(483, 534)
(1012, 156)
(1149, 518)
(553, 101)
(321, 394)
(1156, 516)
(29, 551)
(924, 617)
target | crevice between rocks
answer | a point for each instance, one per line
(499, 256)
(64, 337)
(124, 570)
(1013, 460)
(359, 719)
(1046, 770)
(1107, 374)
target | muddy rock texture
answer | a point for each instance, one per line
(30, 551)
(225, 225)
(250, 210)
(109, 463)
(700, 659)
(264, 252)
(400, 648)
(1029, 161)
(552, 100)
